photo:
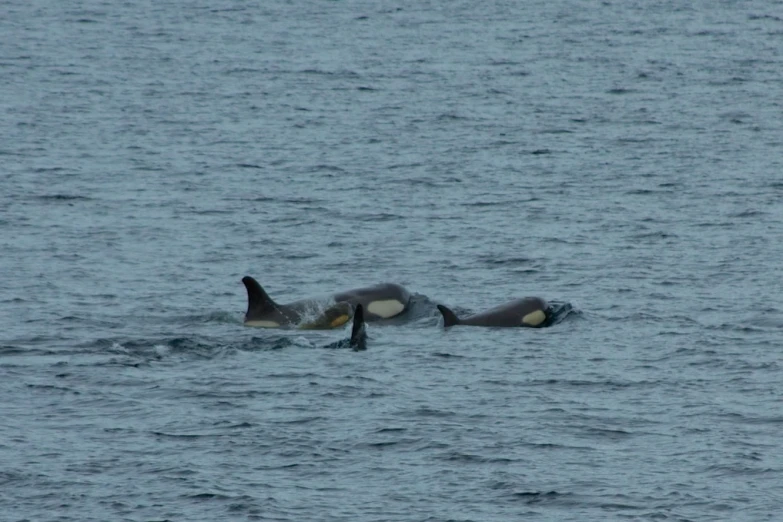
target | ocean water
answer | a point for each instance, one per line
(621, 158)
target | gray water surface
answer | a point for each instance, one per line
(623, 158)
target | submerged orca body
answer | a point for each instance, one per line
(531, 312)
(381, 301)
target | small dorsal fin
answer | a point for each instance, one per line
(258, 302)
(359, 331)
(449, 317)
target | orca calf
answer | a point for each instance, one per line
(381, 301)
(530, 311)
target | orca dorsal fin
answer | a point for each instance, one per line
(449, 317)
(359, 331)
(258, 302)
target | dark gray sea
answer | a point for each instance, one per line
(621, 158)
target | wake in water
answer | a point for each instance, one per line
(559, 312)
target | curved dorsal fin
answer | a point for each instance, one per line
(258, 302)
(449, 317)
(359, 331)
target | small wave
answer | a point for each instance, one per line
(215, 496)
(536, 495)
(553, 498)
(234, 426)
(273, 343)
(748, 213)
(301, 255)
(302, 420)
(748, 419)
(494, 260)
(51, 387)
(480, 204)
(740, 470)
(605, 433)
(447, 355)
(62, 197)
(456, 456)
(654, 235)
(380, 217)
(178, 435)
(645, 192)
(765, 17)
(406, 166)
(326, 168)
(450, 116)
(603, 384)
(426, 182)
(555, 131)
(242, 70)
(382, 444)
(41, 170)
(391, 430)
(428, 412)
(12, 350)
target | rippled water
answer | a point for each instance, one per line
(623, 158)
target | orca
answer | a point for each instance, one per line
(359, 330)
(358, 339)
(381, 301)
(531, 312)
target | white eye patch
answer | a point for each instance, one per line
(534, 318)
(387, 308)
